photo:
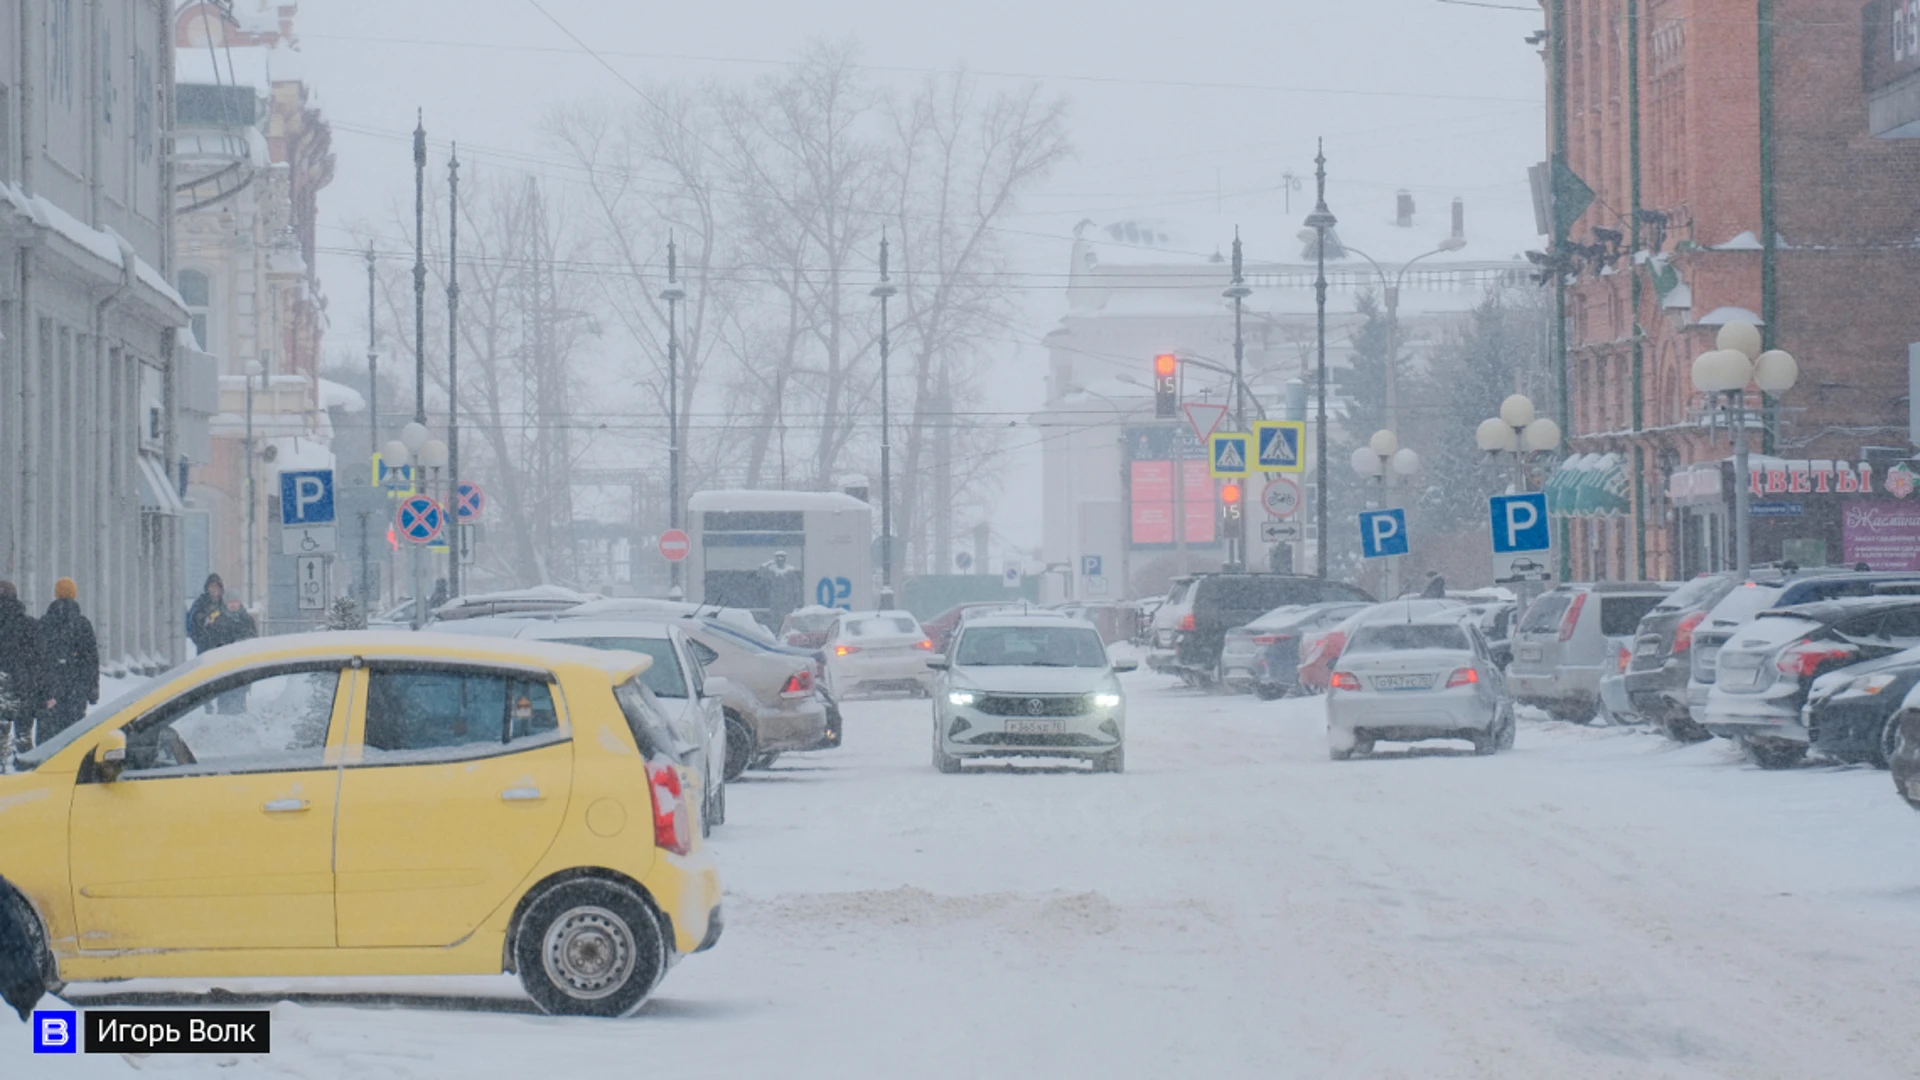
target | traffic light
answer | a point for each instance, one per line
(1165, 394)
(1230, 507)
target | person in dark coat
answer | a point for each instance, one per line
(206, 611)
(1436, 587)
(72, 656)
(22, 671)
(234, 624)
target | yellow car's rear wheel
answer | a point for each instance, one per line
(590, 948)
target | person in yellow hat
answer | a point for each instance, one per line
(72, 656)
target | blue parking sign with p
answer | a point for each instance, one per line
(56, 1031)
(1520, 523)
(1383, 533)
(306, 498)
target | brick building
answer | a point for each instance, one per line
(1724, 143)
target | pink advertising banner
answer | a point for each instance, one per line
(1884, 535)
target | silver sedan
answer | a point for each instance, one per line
(1427, 678)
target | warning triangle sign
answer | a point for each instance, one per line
(1205, 419)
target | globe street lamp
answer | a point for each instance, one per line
(1517, 431)
(1722, 374)
(1383, 456)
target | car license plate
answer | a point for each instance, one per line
(1739, 678)
(1528, 652)
(1648, 648)
(1913, 788)
(1036, 727)
(1402, 682)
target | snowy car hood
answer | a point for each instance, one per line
(1032, 680)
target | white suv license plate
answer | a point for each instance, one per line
(1648, 648)
(1402, 682)
(1528, 652)
(1036, 727)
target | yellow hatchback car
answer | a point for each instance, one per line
(368, 804)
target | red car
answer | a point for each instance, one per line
(807, 627)
(940, 628)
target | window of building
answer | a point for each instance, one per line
(197, 291)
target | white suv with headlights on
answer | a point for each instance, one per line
(1029, 686)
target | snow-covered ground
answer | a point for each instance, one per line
(1596, 903)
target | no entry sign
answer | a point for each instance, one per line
(674, 545)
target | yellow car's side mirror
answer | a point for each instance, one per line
(111, 755)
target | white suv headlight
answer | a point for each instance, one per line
(960, 697)
(1107, 700)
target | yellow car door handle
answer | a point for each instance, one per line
(285, 806)
(521, 794)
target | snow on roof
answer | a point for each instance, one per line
(1721, 316)
(773, 500)
(1746, 241)
(296, 454)
(105, 244)
(345, 398)
(257, 66)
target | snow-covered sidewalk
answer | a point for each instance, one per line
(1596, 903)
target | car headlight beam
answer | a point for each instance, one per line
(1107, 700)
(960, 697)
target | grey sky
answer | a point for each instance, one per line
(1176, 108)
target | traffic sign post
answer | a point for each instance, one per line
(1279, 532)
(1281, 497)
(464, 539)
(1229, 455)
(1522, 538)
(309, 540)
(1281, 445)
(1091, 565)
(397, 480)
(1010, 575)
(306, 498)
(311, 574)
(675, 545)
(1383, 534)
(419, 520)
(469, 501)
(1205, 419)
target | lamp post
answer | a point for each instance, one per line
(253, 370)
(1320, 221)
(1722, 374)
(673, 294)
(1383, 456)
(1238, 292)
(1517, 431)
(883, 292)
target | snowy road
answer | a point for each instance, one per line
(1597, 903)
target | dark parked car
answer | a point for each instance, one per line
(1767, 667)
(940, 628)
(1221, 602)
(1264, 655)
(1849, 713)
(1770, 588)
(1656, 676)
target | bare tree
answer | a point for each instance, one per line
(957, 164)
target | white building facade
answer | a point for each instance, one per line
(98, 404)
(1140, 290)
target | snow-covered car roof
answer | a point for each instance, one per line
(1037, 617)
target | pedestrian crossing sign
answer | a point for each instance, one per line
(1282, 445)
(396, 479)
(1228, 454)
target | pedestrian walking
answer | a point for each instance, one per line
(72, 658)
(234, 624)
(204, 628)
(21, 674)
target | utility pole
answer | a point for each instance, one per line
(884, 291)
(420, 272)
(1238, 292)
(373, 363)
(1320, 221)
(1557, 89)
(453, 369)
(673, 294)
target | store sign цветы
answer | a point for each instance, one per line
(1813, 478)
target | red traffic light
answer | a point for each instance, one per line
(1165, 365)
(1230, 494)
